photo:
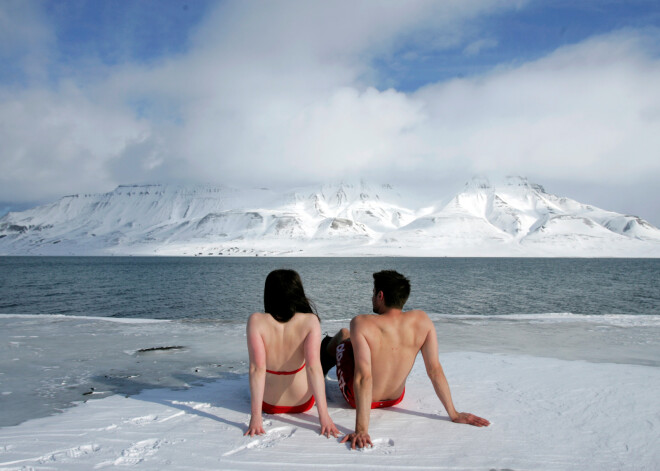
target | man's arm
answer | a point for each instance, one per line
(362, 384)
(440, 384)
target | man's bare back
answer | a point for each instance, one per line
(385, 347)
(393, 340)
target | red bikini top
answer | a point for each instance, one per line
(286, 372)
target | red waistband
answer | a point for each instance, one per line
(348, 395)
(286, 372)
(389, 403)
(271, 409)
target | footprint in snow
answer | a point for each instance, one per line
(382, 446)
(271, 438)
(138, 452)
(82, 450)
(142, 420)
(75, 452)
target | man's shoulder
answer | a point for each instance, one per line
(417, 313)
(363, 318)
(364, 321)
(417, 320)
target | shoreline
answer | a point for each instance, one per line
(339, 255)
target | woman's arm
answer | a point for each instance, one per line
(257, 353)
(315, 377)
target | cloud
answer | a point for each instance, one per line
(278, 92)
(585, 112)
(287, 92)
(476, 47)
(59, 141)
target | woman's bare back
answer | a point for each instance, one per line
(284, 344)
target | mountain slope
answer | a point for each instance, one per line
(514, 218)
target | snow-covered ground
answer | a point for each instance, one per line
(546, 414)
(562, 392)
(511, 218)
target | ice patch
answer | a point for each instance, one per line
(619, 320)
(118, 320)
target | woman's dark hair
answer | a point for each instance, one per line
(284, 295)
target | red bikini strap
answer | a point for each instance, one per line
(286, 372)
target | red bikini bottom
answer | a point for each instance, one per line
(271, 409)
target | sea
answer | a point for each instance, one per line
(74, 329)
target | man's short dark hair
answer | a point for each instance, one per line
(395, 288)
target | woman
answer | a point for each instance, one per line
(284, 347)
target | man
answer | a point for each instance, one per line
(374, 363)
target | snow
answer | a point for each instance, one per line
(51, 317)
(546, 414)
(510, 218)
(562, 391)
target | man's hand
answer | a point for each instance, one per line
(256, 427)
(360, 439)
(329, 428)
(470, 419)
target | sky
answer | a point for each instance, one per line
(419, 94)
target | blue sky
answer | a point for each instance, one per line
(123, 31)
(99, 93)
(522, 35)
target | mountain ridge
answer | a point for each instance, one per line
(510, 218)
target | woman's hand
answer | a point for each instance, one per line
(256, 427)
(328, 427)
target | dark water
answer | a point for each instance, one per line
(228, 289)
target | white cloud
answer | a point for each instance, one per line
(59, 142)
(585, 111)
(278, 92)
(281, 92)
(475, 48)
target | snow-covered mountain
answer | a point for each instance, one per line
(514, 218)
